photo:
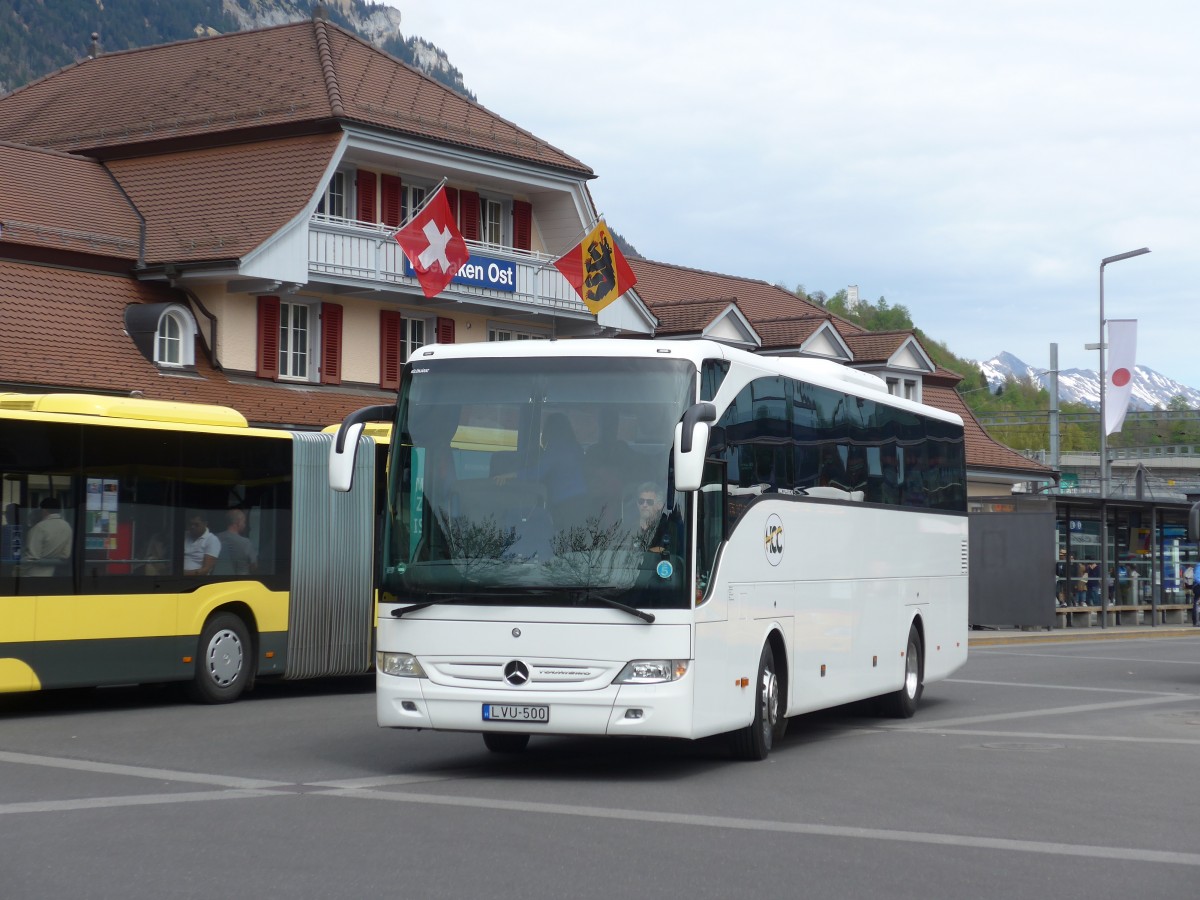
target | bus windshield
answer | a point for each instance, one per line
(538, 482)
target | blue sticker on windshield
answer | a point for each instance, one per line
(664, 569)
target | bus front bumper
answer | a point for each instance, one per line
(657, 710)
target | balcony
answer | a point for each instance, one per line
(355, 255)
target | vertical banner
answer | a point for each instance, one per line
(1122, 352)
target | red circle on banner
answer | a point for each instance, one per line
(1120, 377)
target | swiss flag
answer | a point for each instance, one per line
(433, 244)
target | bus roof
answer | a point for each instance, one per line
(132, 408)
(822, 372)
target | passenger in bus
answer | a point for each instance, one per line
(48, 544)
(659, 532)
(238, 554)
(155, 556)
(560, 468)
(201, 549)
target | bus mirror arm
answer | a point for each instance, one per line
(345, 444)
(362, 416)
(691, 443)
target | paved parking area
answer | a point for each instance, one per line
(1065, 769)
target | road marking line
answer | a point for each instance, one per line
(386, 780)
(1036, 713)
(1128, 659)
(38, 806)
(55, 762)
(1062, 737)
(1062, 687)
(877, 834)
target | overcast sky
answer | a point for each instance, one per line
(972, 161)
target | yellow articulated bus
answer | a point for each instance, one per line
(145, 541)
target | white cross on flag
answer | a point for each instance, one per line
(433, 244)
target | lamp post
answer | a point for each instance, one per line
(1104, 440)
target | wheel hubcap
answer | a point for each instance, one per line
(911, 672)
(770, 710)
(224, 657)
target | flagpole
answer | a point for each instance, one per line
(586, 231)
(416, 212)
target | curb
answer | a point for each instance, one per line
(983, 639)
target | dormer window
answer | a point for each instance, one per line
(333, 201)
(174, 339)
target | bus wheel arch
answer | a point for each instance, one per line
(226, 651)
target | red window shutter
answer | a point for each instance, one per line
(364, 190)
(452, 199)
(389, 195)
(268, 337)
(468, 214)
(390, 332)
(445, 330)
(522, 225)
(331, 343)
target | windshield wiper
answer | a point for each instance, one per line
(616, 604)
(460, 598)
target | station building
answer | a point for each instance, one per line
(210, 220)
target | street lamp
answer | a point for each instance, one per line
(1104, 439)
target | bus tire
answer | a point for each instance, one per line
(902, 704)
(754, 741)
(504, 742)
(224, 661)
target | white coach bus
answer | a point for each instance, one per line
(667, 538)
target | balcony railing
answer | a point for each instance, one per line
(356, 252)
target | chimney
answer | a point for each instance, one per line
(95, 44)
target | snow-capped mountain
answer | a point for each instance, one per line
(1151, 390)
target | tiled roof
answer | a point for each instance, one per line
(222, 202)
(689, 316)
(62, 329)
(794, 331)
(659, 283)
(91, 217)
(876, 346)
(303, 74)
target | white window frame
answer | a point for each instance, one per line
(334, 196)
(292, 358)
(178, 319)
(496, 227)
(412, 337)
(411, 198)
(503, 331)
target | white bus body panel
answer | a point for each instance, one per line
(843, 593)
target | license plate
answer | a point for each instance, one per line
(507, 712)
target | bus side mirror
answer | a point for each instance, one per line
(691, 443)
(1194, 523)
(345, 444)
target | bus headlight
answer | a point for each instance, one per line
(404, 665)
(652, 671)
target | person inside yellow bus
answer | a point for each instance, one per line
(238, 556)
(48, 544)
(201, 548)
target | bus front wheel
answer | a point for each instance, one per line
(754, 741)
(505, 742)
(902, 704)
(223, 660)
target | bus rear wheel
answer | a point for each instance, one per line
(754, 741)
(902, 704)
(503, 742)
(223, 661)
